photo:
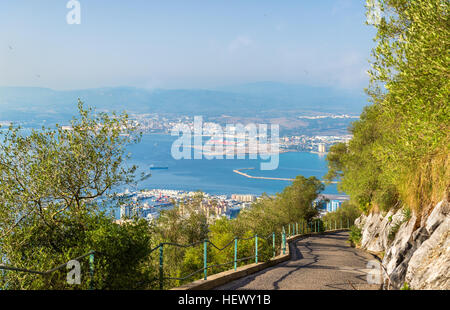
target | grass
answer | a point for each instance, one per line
(405, 287)
(394, 230)
(406, 217)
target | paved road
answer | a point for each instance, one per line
(322, 262)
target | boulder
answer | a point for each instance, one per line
(419, 256)
(429, 266)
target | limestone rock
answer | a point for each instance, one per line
(429, 266)
(419, 256)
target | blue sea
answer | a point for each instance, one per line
(216, 176)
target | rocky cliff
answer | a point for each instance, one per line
(414, 251)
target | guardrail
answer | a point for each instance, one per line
(296, 228)
(293, 229)
(91, 255)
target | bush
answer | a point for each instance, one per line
(400, 151)
(347, 214)
(355, 236)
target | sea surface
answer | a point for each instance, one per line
(216, 176)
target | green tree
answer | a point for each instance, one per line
(346, 214)
(399, 153)
(55, 191)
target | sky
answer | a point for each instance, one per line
(184, 43)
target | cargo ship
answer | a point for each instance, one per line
(158, 168)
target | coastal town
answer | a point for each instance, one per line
(292, 141)
(148, 204)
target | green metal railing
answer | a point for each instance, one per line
(90, 254)
(205, 268)
(293, 229)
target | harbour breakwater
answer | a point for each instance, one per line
(239, 171)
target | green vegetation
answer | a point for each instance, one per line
(406, 216)
(393, 231)
(56, 195)
(187, 224)
(405, 287)
(399, 154)
(56, 184)
(52, 207)
(347, 214)
(355, 236)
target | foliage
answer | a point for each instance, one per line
(393, 231)
(293, 204)
(355, 235)
(53, 192)
(405, 287)
(347, 214)
(399, 153)
(406, 216)
(187, 224)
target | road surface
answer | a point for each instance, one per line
(322, 262)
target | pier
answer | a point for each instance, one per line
(238, 171)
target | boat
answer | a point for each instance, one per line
(152, 167)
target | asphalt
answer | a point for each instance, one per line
(323, 262)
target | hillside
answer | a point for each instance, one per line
(25, 103)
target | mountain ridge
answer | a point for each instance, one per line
(242, 99)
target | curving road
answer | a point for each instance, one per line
(323, 262)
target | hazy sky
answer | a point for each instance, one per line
(184, 43)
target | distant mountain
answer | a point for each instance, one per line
(31, 103)
(322, 99)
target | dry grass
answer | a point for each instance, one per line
(427, 183)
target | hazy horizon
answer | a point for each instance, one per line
(179, 45)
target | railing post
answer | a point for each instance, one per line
(283, 240)
(273, 244)
(296, 228)
(205, 259)
(161, 271)
(235, 253)
(256, 248)
(289, 230)
(91, 270)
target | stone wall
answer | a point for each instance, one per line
(413, 252)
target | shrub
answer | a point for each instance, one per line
(355, 235)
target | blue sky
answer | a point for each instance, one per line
(184, 43)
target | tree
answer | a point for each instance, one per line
(401, 145)
(55, 194)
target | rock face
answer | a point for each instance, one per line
(414, 253)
